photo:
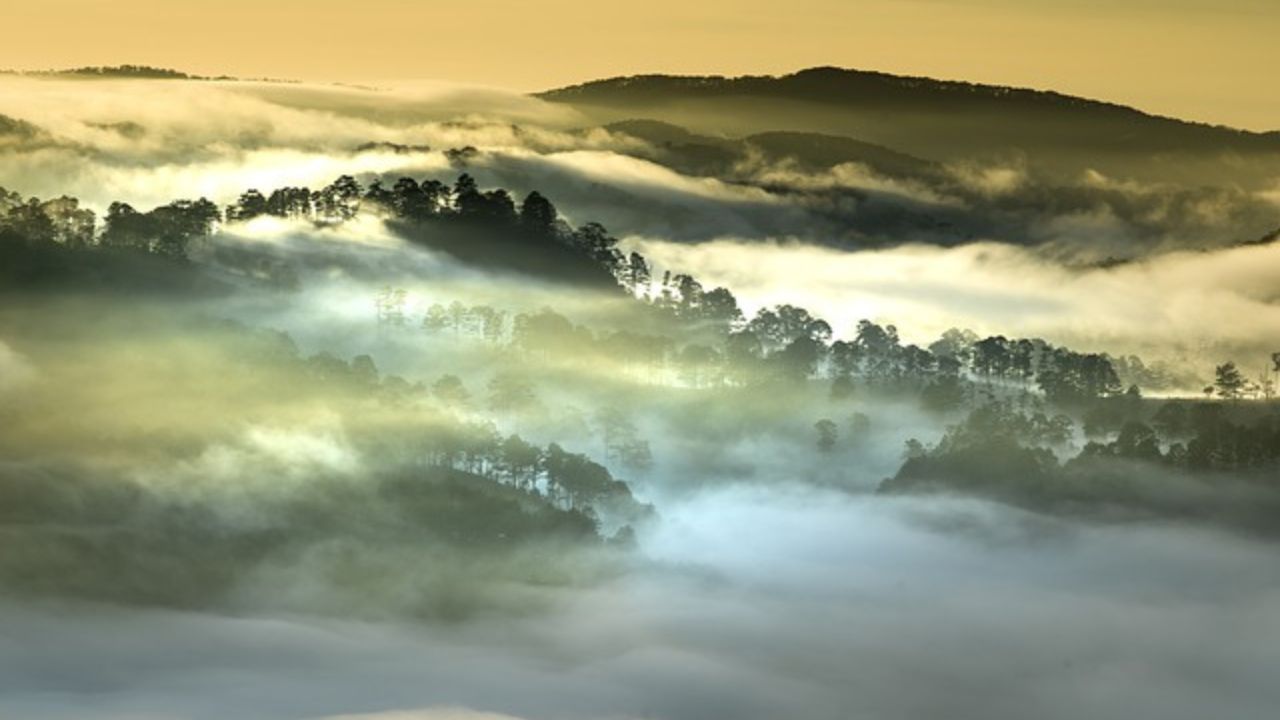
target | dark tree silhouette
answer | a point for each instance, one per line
(248, 206)
(828, 433)
(1228, 381)
(537, 215)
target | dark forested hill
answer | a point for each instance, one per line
(714, 155)
(940, 119)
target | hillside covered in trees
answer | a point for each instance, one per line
(1021, 407)
(935, 118)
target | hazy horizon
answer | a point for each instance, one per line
(1132, 53)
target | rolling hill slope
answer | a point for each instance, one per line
(942, 120)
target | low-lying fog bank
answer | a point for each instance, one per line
(1188, 308)
(754, 603)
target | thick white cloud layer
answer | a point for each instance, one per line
(149, 142)
(1201, 306)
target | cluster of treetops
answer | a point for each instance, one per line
(570, 482)
(128, 72)
(1007, 451)
(784, 342)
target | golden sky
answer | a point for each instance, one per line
(1210, 60)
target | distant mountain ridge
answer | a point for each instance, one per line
(133, 72)
(834, 85)
(142, 72)
(942, 120)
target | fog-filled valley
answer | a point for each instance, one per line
(431, 401)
